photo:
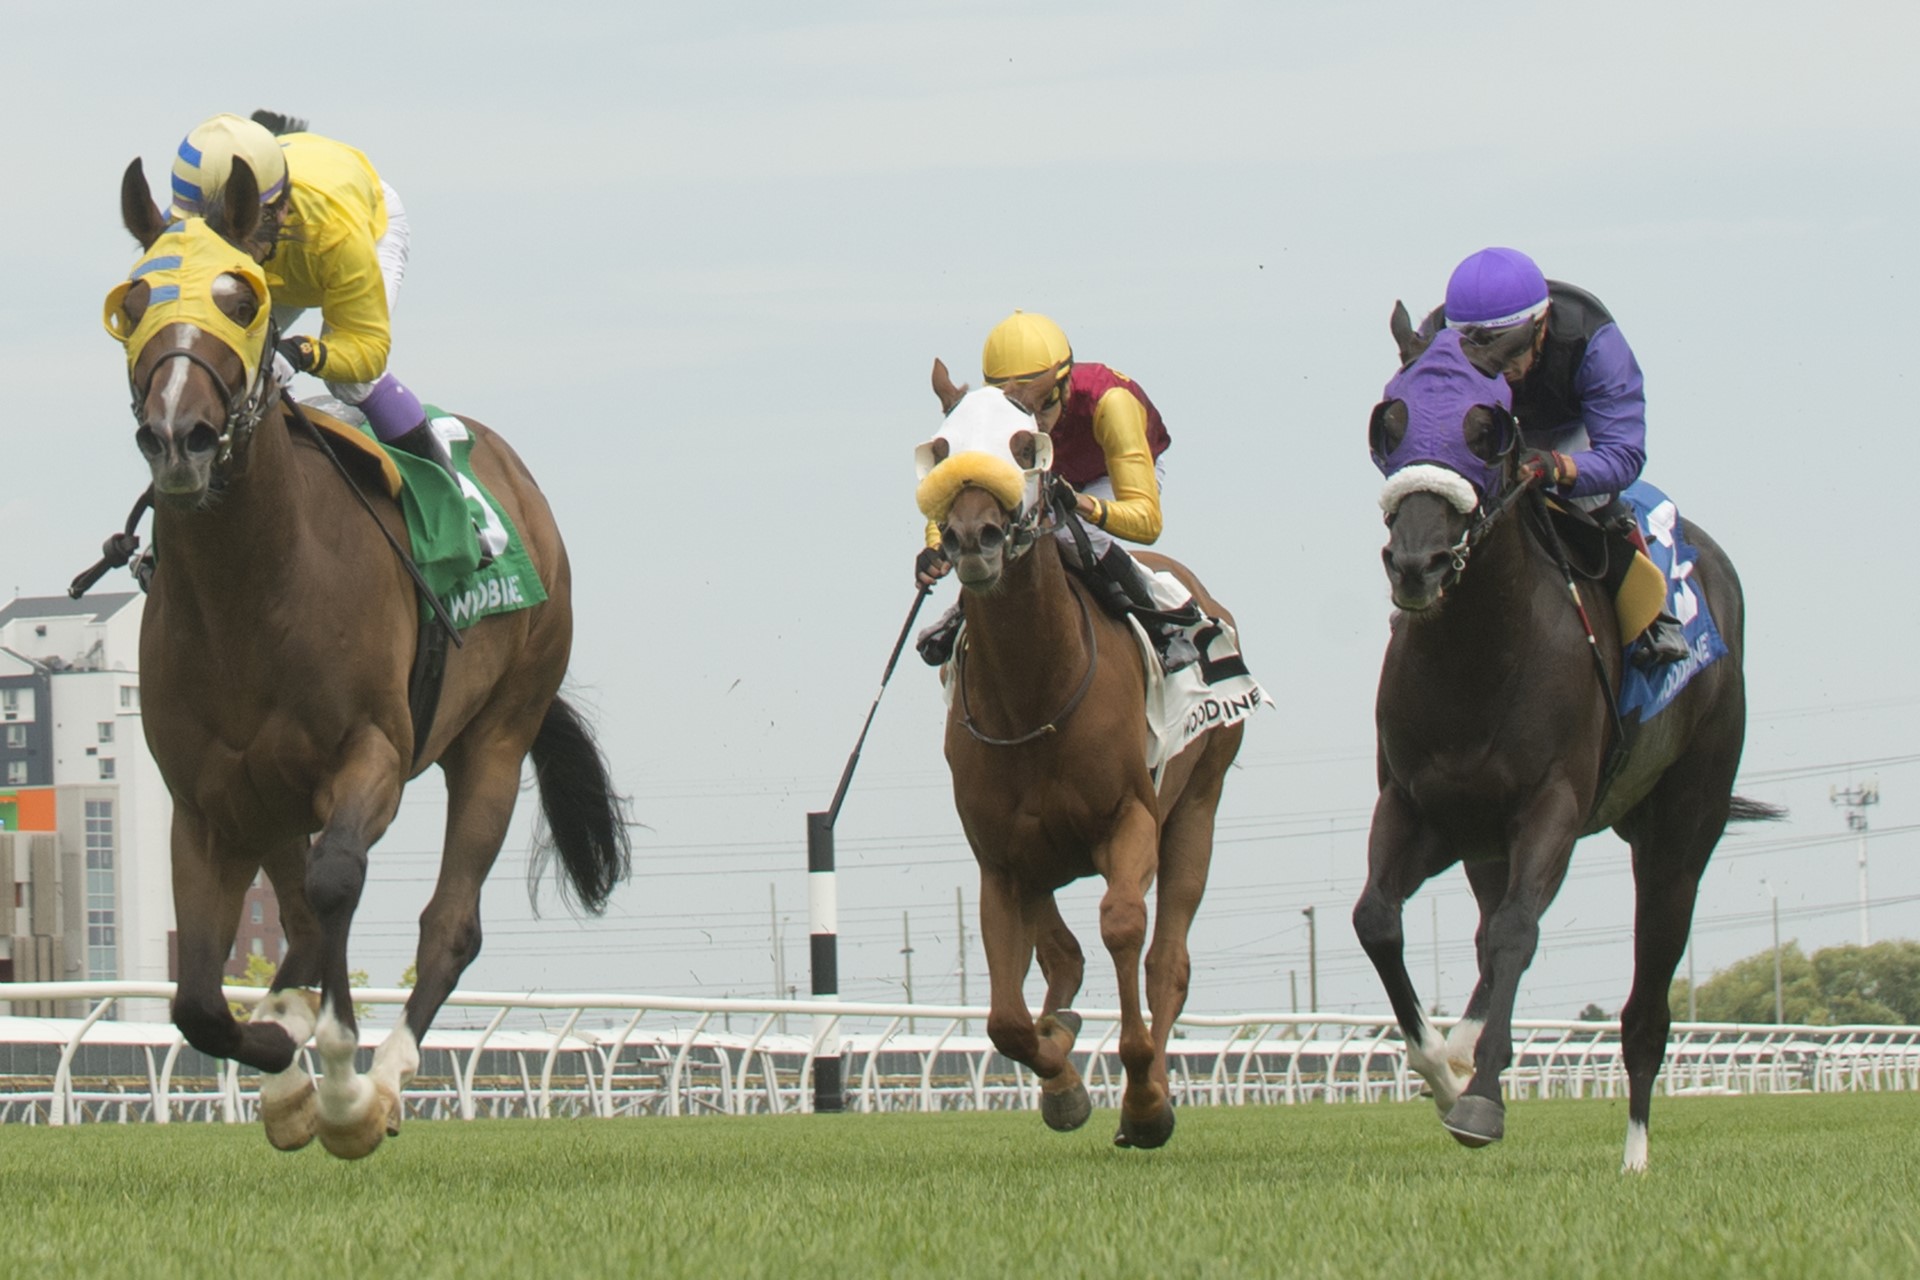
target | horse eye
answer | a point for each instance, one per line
(1488, 430)
(1387, 427)
(1023, 448)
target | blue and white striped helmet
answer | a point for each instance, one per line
(206, 157)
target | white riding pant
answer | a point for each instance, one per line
(1099, 540)
(391, 251)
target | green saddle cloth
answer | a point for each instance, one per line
(443, 518)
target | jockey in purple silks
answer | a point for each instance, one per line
(1578, 396)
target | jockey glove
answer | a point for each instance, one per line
(306, 355)
(1552, 468)
(930, 563)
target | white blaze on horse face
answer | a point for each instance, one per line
(986, 422)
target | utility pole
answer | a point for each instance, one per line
(1779, 1002)
(960, 918)
(906, 950)
(1313, 963)
(1856, 801)
(1293, 981)
(1433, 905)
(1693, 1005)
(779, 952)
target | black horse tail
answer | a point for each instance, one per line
(1744, 810)
(276, 123)
(583, 819)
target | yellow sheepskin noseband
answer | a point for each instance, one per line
(975, 447)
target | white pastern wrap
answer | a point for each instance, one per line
(1635, 1160)
(1433, 1059)
(344, 1093)
(397, 1058)
(292, 1011)
(1425, 477)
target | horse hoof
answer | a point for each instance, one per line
(1067, 1110)
(357, 1139)
(1153, 1133)
(1476, 1121)
(289, 1121)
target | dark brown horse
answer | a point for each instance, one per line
(1494, 732)
(1047, 740)
(274, 662)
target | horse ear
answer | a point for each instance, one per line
(138, 213)
(239, 204)
(1410, 343)
(943, 387)
(1031, 394)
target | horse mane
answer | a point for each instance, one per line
(277, 124)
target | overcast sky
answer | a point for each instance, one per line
(695, 262)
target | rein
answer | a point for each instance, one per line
(1617, 745)
(1063, 506)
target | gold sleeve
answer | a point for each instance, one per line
(353, 313)
(933, 534)
(1120, 428)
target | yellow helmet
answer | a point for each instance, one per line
(206, 157)
(1025, 345)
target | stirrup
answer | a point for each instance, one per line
(1663, 641)
(935, 644)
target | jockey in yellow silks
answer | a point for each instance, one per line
(1108, 439)
(335, 236)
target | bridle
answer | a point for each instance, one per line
(244, 408)
(1062, 506)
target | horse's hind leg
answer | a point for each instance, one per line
(356, 805)
(482, 786)
(1129, 860)
(1673, 833)
(1009, 913)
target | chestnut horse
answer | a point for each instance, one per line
(1047, 740)
(274, 661)
(1495, 731)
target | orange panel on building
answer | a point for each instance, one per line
(27, 809)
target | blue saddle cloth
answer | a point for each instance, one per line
(1645, 694)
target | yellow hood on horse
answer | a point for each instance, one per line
(180, 270)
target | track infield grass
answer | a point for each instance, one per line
(1762, 1186)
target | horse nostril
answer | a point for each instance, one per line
(991, 537)
(147, 442)
(202, 439)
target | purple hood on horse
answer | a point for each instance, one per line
(1435, 393)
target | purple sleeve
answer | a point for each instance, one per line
(1613, 408)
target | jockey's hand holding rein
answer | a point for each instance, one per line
(930, 566)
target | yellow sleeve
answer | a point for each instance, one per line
(353, 312)
(1120, 428)
(933, 534)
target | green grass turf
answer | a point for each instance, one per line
(1749, 1187)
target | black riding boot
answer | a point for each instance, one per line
(1130, 593)
(1662, 641)
(936, 642)
(424, 442)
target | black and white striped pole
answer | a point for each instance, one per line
(823, 900)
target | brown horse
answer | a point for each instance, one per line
(274, 658)
(1047, 737)
(1495, 732)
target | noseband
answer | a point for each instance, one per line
(244, 409)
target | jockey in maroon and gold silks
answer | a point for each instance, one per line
(1109, 428)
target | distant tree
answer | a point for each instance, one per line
(1847, 984)
(1594, 1013)
(410, 977)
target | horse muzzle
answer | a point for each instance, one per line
(1418, 580)
(181, 462)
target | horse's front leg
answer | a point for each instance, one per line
(1008, 913)
(288, 1109)
(355, 807)
(1538, 852)
(1402, 854)
(1128, 860)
